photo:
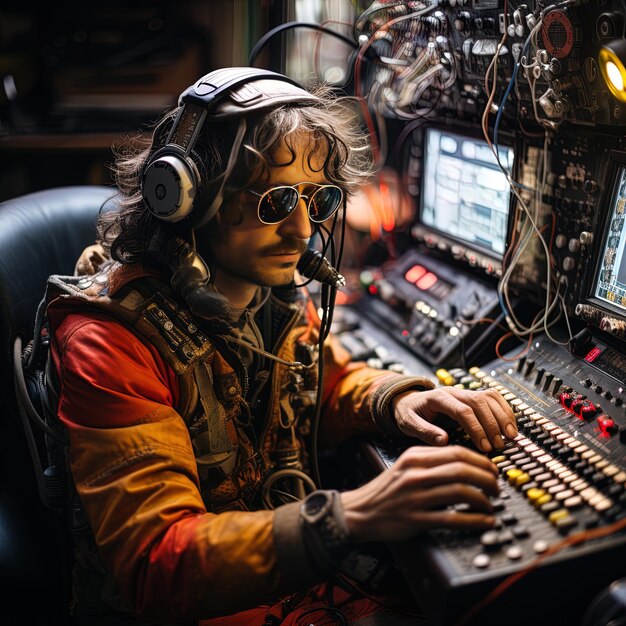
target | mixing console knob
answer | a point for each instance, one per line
(428, 340)
(520, 364)
(444, 377)
(607, 425)
(539, 375)
(560, 240)
(566, 400)
(573, 245)
(590, 186)
(529, 367)
(568, 264)
(587, 410)
(556, 386)
(547, 380)
(585, 238)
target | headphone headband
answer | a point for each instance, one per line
(170, 179)
(207, 89)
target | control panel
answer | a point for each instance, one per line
(439, 313)
(562, 506)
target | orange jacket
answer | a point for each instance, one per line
(136, 470)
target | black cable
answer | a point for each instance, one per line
(323, 332)
(261, 43)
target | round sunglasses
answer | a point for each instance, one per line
(278, 203)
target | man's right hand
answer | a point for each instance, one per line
(413, 495)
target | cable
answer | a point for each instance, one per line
(327, 303)
(357, 71)
(261, 43)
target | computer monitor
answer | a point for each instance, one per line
(465, 194)
(609, 285)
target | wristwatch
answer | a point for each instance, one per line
(316, 506)
(324, 529)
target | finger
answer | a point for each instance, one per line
(412, 425)
(465, 415)
(418, 456)
(457, 493)
(478, 402)
(452, 473)
(455, 519)
(505, 416)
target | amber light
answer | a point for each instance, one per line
(611, 60)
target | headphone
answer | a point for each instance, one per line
(171, 175)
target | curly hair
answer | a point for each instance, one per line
(134, 234)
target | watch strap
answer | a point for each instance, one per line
(327, 541)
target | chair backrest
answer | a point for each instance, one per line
(41, 233)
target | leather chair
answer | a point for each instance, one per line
(41, 233)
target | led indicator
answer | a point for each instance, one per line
(592, 355)
(426, 281)
(415, 273)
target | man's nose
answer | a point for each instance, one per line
(298, 223)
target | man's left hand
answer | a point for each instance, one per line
(484, 415)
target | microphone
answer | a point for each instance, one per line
(313, 264)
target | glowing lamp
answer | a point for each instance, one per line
(611, 59)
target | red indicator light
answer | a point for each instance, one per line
(415, 273)
(427, 281)
(373, 289)
(592, 355)
(405, 333)
(566, 400)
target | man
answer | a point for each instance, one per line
(187, 367)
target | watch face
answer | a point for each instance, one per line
(315, 503)
(316, 506)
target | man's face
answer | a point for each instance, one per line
(244, 251)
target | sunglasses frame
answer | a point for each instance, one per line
(300, 195)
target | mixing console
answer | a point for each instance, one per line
(562, 476)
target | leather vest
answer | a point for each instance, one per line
(240, 467)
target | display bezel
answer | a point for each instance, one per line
(616, 164)
(506, 142)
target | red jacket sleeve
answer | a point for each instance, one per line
(135, 472)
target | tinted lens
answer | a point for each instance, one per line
(277, 204)
(324, 202)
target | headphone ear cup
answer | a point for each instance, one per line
(169, 186)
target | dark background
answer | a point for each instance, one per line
(77, 77)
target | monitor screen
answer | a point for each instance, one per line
(610, 282)
(465, 194)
